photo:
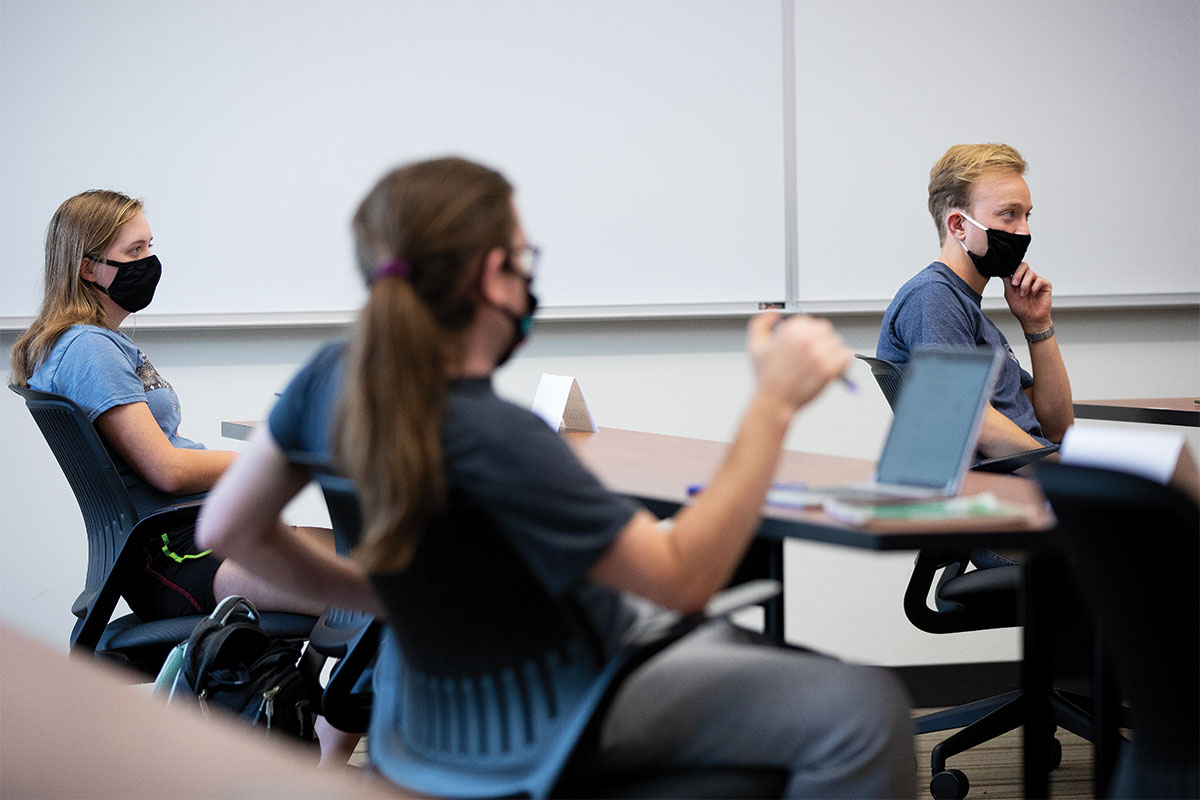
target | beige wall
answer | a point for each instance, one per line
(680, 377)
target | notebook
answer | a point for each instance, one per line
(931, 442)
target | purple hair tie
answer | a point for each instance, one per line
(393, 269)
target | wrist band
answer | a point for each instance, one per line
(1037, 337)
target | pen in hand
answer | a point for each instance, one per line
(850, 385)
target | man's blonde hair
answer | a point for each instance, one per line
(954, 174)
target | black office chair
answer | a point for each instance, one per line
(978, 600)
(971, 600)
(115, 538)
(1134, 548)
(502, 683)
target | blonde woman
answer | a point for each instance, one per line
(99, 270)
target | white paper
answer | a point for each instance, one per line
(559, 401)
(1153, 454)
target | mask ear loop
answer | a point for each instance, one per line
(968, 218)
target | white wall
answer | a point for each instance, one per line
(680, 377)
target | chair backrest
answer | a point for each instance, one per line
(108, 511)
(889, 376)
(1134, 548)
(499, 680)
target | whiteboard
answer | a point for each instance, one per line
(671, 157)
(1101, 98)
(644, 139)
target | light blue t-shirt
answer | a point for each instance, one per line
(99, 369)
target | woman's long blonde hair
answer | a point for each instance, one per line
(438, 219)
(84, 226)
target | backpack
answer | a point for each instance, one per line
(229, 662)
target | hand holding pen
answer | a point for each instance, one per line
(797, 356)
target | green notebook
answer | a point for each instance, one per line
(984, 506)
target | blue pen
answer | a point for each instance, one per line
(697, 488)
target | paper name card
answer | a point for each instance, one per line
(1150, 453)
(559, 401)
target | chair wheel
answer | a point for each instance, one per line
(1055, 753)
(951, 784)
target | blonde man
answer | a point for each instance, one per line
(981, 206)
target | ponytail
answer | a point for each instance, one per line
(388, 427)
(432, 222)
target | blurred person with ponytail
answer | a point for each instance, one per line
(406, 408)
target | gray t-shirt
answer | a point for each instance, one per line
(937, 309)
(99, 369)
(507, 474)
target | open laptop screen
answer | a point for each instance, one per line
(938, 416)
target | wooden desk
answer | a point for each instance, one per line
(1155, 410)
(657, 470)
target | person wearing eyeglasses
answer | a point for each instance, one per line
(407, 409)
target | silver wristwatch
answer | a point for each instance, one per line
(1037, 337)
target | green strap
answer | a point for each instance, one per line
(178, 559)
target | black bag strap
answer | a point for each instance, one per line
(232, 627)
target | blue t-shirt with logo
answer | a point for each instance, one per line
(99, 369)
(937, 309)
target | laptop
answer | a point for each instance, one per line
(931, 442)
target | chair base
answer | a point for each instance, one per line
(987, 719)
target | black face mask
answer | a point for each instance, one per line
(133, 286)
(523, 324)
(1005, 251)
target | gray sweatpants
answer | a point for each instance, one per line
(726, 696)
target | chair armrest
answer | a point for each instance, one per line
(916, 594)
(667, 626)
(1011, 463)
(347, 697)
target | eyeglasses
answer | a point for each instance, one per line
(524, 260)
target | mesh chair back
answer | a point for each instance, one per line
(887, 375)
(110, 519)
(1134, 549)
(499, 680)
(108, 511)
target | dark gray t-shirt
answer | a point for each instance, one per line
(504, 467)
(937, 309)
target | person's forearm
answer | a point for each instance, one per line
(712, 534)
(1051, 391)
(240, 519)
(191, 471)
(296, 563)
(1000, 436)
